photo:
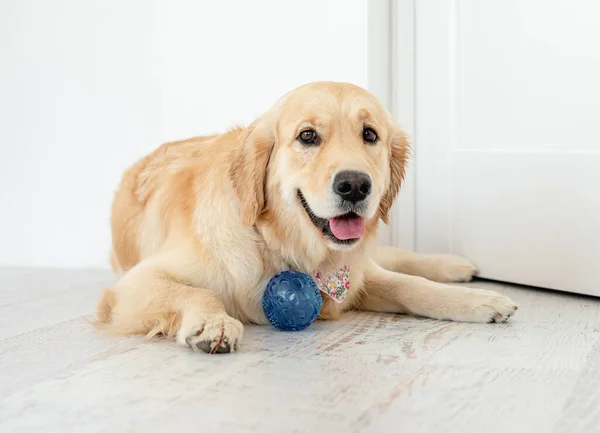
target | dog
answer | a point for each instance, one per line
(200, 226)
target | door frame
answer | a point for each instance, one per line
(391, 77)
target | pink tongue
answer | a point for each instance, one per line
(347, 228)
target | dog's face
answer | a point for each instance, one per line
(337, 159)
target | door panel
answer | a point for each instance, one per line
(529, 218)
(506, 141)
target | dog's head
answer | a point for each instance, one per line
(327, 155)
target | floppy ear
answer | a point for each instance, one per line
(399, 151)
(248, 170)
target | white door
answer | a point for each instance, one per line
(507, 137)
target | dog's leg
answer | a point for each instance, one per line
(392, 292)
(148, 301)
(444, 268)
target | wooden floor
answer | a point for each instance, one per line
(366, 373)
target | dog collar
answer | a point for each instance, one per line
(334, 284)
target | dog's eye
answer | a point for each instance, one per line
(369, 135)
(309, 138)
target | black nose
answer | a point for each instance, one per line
(353, 186)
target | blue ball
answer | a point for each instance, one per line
(292, 301)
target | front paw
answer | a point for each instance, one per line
(217, 333)
(450, 268)
(483, 306)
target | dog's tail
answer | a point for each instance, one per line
(104, 308)
(152, 323)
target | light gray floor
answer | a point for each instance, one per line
(365, 373)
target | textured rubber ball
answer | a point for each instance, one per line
(292, 301)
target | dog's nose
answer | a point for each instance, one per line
(353, 186)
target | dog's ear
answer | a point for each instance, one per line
(248, 169)
(399, 152)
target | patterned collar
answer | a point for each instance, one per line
(335, 284)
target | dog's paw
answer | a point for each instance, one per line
(218, 333)
(450, 268)
(484, 306)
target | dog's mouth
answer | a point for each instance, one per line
(345, 229)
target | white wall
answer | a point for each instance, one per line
(86, 87)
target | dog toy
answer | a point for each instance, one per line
(292, 301)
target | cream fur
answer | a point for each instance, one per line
(199, 226)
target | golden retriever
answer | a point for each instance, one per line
(200, 226)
